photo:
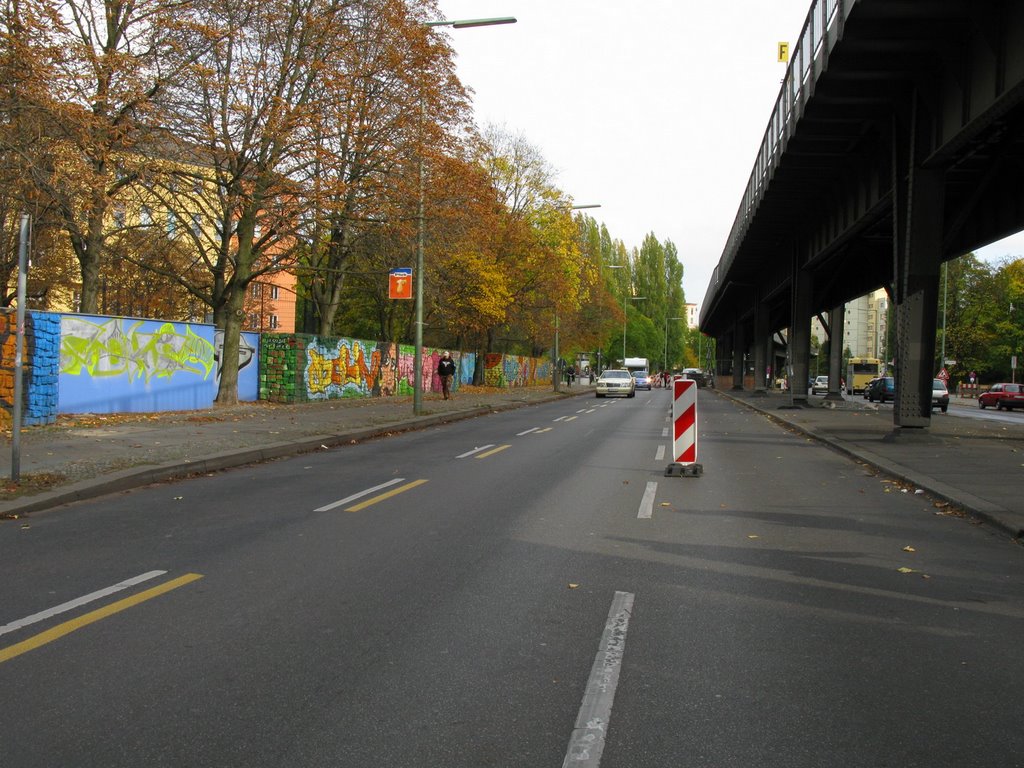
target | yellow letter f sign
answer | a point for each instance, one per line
(783, 51)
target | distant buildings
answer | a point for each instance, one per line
(864, 326)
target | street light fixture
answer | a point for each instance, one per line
(417, 363)
(624, 315)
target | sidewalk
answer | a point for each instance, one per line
(974, 464)
(91, 455)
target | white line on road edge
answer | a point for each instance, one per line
(647, 502)
(660, 455)
(664, 432)
(72, 604)
(588, 736)
(347, 499)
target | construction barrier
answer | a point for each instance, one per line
(684, 430)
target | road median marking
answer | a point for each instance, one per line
(354, 496)
(383, 496)
(647, 502)
(11, 651)
(467, 454)
(588, 736)
(491, 452)
(78, 602)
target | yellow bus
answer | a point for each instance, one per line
(859, 371)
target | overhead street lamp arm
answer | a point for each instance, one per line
(469, 23)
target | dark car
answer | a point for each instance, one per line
(867, 387)
(1000, 396)
(882, 389)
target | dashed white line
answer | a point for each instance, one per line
(79, 601)
(588, 736)
(647, 502)
(660, 454)
(532, 429)
(347, 499)
(475, 450)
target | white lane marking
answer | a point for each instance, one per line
(571, 418)
(588, 736)
(79, 601)
(475, 450)
(590, 410)
(354, 496)
(561, 418)
(664, 432)
(520, 434)
(582, 410)
(647, 502)
(660, 455)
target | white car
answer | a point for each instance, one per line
(616, 382)
(820, 386)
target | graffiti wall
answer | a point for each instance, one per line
(118, 365)
(515, 370)
(300, 367)
(39, 367)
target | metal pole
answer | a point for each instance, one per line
(19, 346)
(417, 363)
(554, 370)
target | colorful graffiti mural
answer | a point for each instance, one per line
(343, 369)
(116, 364)
(136, 349)
(514, 370)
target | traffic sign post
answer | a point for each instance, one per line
(684, 430)
(400, 283)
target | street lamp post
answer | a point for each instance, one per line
(556, 374)
(625, 317)
(417, 363)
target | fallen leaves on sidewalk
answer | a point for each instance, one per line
(29, 484)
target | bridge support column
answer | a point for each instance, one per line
(918, 214)
(723, 352)
(835, 353)
(800, 331)
(762, 340)
(738, 347)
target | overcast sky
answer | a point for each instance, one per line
(654, 109)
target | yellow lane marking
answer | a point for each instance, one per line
(8, 653)
(491, 452)
(388, 495)
(546, 429)
(570, 418)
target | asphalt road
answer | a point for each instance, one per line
(443, 598)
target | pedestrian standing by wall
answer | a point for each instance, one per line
(446, 371)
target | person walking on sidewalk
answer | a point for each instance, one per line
(446, 370)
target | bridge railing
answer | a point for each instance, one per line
(808, 59)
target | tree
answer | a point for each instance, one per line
(241, 147)
(94, 73)
(391, 108)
